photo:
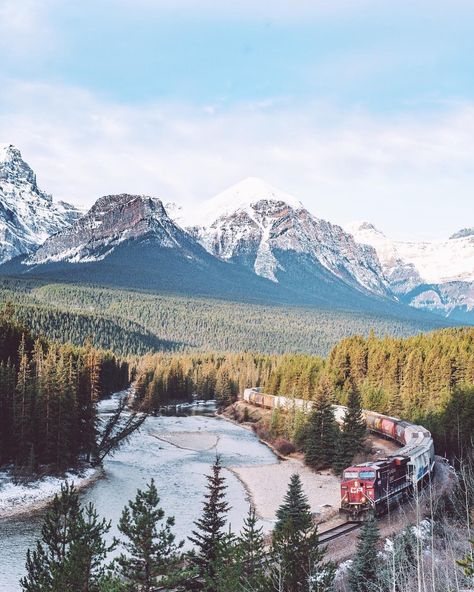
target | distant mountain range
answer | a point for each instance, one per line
(253, 242)
(437, 276)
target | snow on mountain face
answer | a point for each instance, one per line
(176, 213)
(446, 267)
(436, 262)
(28, 216)
(239, 197)
(112, 220)
(253, 222)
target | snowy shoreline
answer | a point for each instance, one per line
(27, 498)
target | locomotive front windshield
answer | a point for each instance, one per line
(367, 475)
(351, 474)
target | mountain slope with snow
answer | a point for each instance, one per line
(131, 241)
(112, 220)
(269, 231)
(28, 215)
(437, 275)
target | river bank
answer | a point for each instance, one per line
(266, 485)
(20, 499)
(178, 464)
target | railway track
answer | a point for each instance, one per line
(338, 531)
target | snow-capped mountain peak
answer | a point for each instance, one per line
(262, 227)
(363, 226)
(28, 215)
(438, 275)
(463, 233)
(243, 196)
(14, 170)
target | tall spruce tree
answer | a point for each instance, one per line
(223, 388)
(151, 550)
(253, 563)
(322, 432)
(364, 574)
(353, 431)
(23, 408)
(297, 559)
(71, 551)
(209, 537)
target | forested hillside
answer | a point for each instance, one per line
(131, 322)
(428, 379)
(48, 397)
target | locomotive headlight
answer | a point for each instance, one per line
(356, 484)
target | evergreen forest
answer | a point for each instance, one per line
(48, 399)
(132, 322)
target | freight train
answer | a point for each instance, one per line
(374, 486)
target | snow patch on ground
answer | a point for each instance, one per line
(19, 498)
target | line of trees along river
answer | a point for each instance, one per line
(427, 379)
(48, 399)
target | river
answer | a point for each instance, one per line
(179, 473)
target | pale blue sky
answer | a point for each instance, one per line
(361, 108)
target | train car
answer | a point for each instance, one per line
(389, 427)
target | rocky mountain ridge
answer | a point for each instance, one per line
(437, 276)
(28, 215)
(252, 230)
(112, 220)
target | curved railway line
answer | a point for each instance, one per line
(372, 486)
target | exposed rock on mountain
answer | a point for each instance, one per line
(437, 276)
(271, 232)
(28, 216)
(112, 220)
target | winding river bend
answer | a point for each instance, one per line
(177, 452)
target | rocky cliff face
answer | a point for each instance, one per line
(28, 216)
(256, 225)
(112, 220)
(437, 276)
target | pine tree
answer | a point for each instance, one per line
(297, 559)
(353, 432)
(363, 574)
(22, 408)
(209, 536)
(151, 551)
(88, 550)
(322, 432)
(223, 389)
(253, 564)
(227, 574)
(71, 550)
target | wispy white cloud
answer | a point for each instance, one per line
(410, 174)
(25, 27)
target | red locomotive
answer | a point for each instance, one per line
(379, 486)
(375, 486)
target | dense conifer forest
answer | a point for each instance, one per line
(133, 322)
(428, 378)
(48, 399)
